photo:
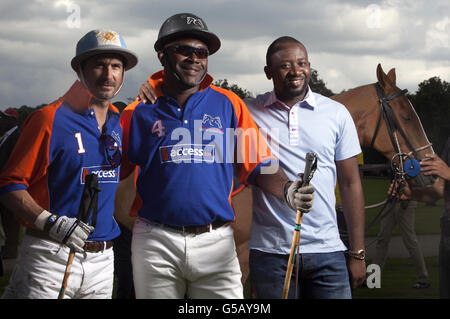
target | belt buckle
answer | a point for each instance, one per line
(198, 229)
(203, 229)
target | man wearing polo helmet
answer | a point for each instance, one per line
(43, 181)
(183, 242)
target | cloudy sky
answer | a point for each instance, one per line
(345, 40)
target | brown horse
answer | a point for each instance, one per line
(364, 105)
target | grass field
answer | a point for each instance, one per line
(398, 275)
(427, 217)
(397, 279)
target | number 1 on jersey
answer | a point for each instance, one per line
(81, 149)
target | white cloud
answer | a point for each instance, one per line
(438, 36)
(345, 40)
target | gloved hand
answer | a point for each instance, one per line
(298, 197)
(69, 231)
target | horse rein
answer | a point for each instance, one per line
(393, 127)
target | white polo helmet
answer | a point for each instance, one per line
(102, 41)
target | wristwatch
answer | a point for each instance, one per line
(360, 254)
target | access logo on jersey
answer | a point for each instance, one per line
(187, 153)
(104, 172)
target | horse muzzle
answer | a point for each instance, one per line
(415, 178)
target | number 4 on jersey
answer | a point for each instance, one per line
(158, 128)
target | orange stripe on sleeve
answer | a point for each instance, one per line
(126, 168)
(29, 160)
(251, 147)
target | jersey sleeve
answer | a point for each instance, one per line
(252, 152)
(127, 167)
(29, 159)
(347, 144)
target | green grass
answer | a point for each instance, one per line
(397, 279)
(427, 217)
(399, 274)
(3, 283)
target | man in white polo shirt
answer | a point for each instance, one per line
(306, 122)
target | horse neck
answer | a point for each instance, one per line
(361, 102)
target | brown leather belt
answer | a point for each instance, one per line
(197, 230)
(90, 246)
(97, 246)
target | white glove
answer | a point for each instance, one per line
(69, 231)
(297, 197)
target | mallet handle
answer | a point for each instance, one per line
(62, 291)
(310, 168)
(294, 246)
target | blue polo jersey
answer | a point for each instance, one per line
(58, 147)
(186, 155)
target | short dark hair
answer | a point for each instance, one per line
(275, 46)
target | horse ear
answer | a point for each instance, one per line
(380, 74)
(391, 75)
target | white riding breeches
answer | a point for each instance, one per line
(170, 264)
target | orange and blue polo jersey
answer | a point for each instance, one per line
(186, 155)
(58, 147)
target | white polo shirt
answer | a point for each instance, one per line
(316, 124)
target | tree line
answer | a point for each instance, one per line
(431, 102)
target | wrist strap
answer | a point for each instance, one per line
(50, 222)
(41, 220)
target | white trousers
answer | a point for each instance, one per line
(169, 264)
(40, 269)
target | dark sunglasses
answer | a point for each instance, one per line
(187, 50)
(112, 150)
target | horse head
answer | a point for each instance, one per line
(386, 121)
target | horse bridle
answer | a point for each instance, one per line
(391, 122)
(392, 125)
(392, 128)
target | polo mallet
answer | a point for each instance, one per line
(89, 201)
(310, 168)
